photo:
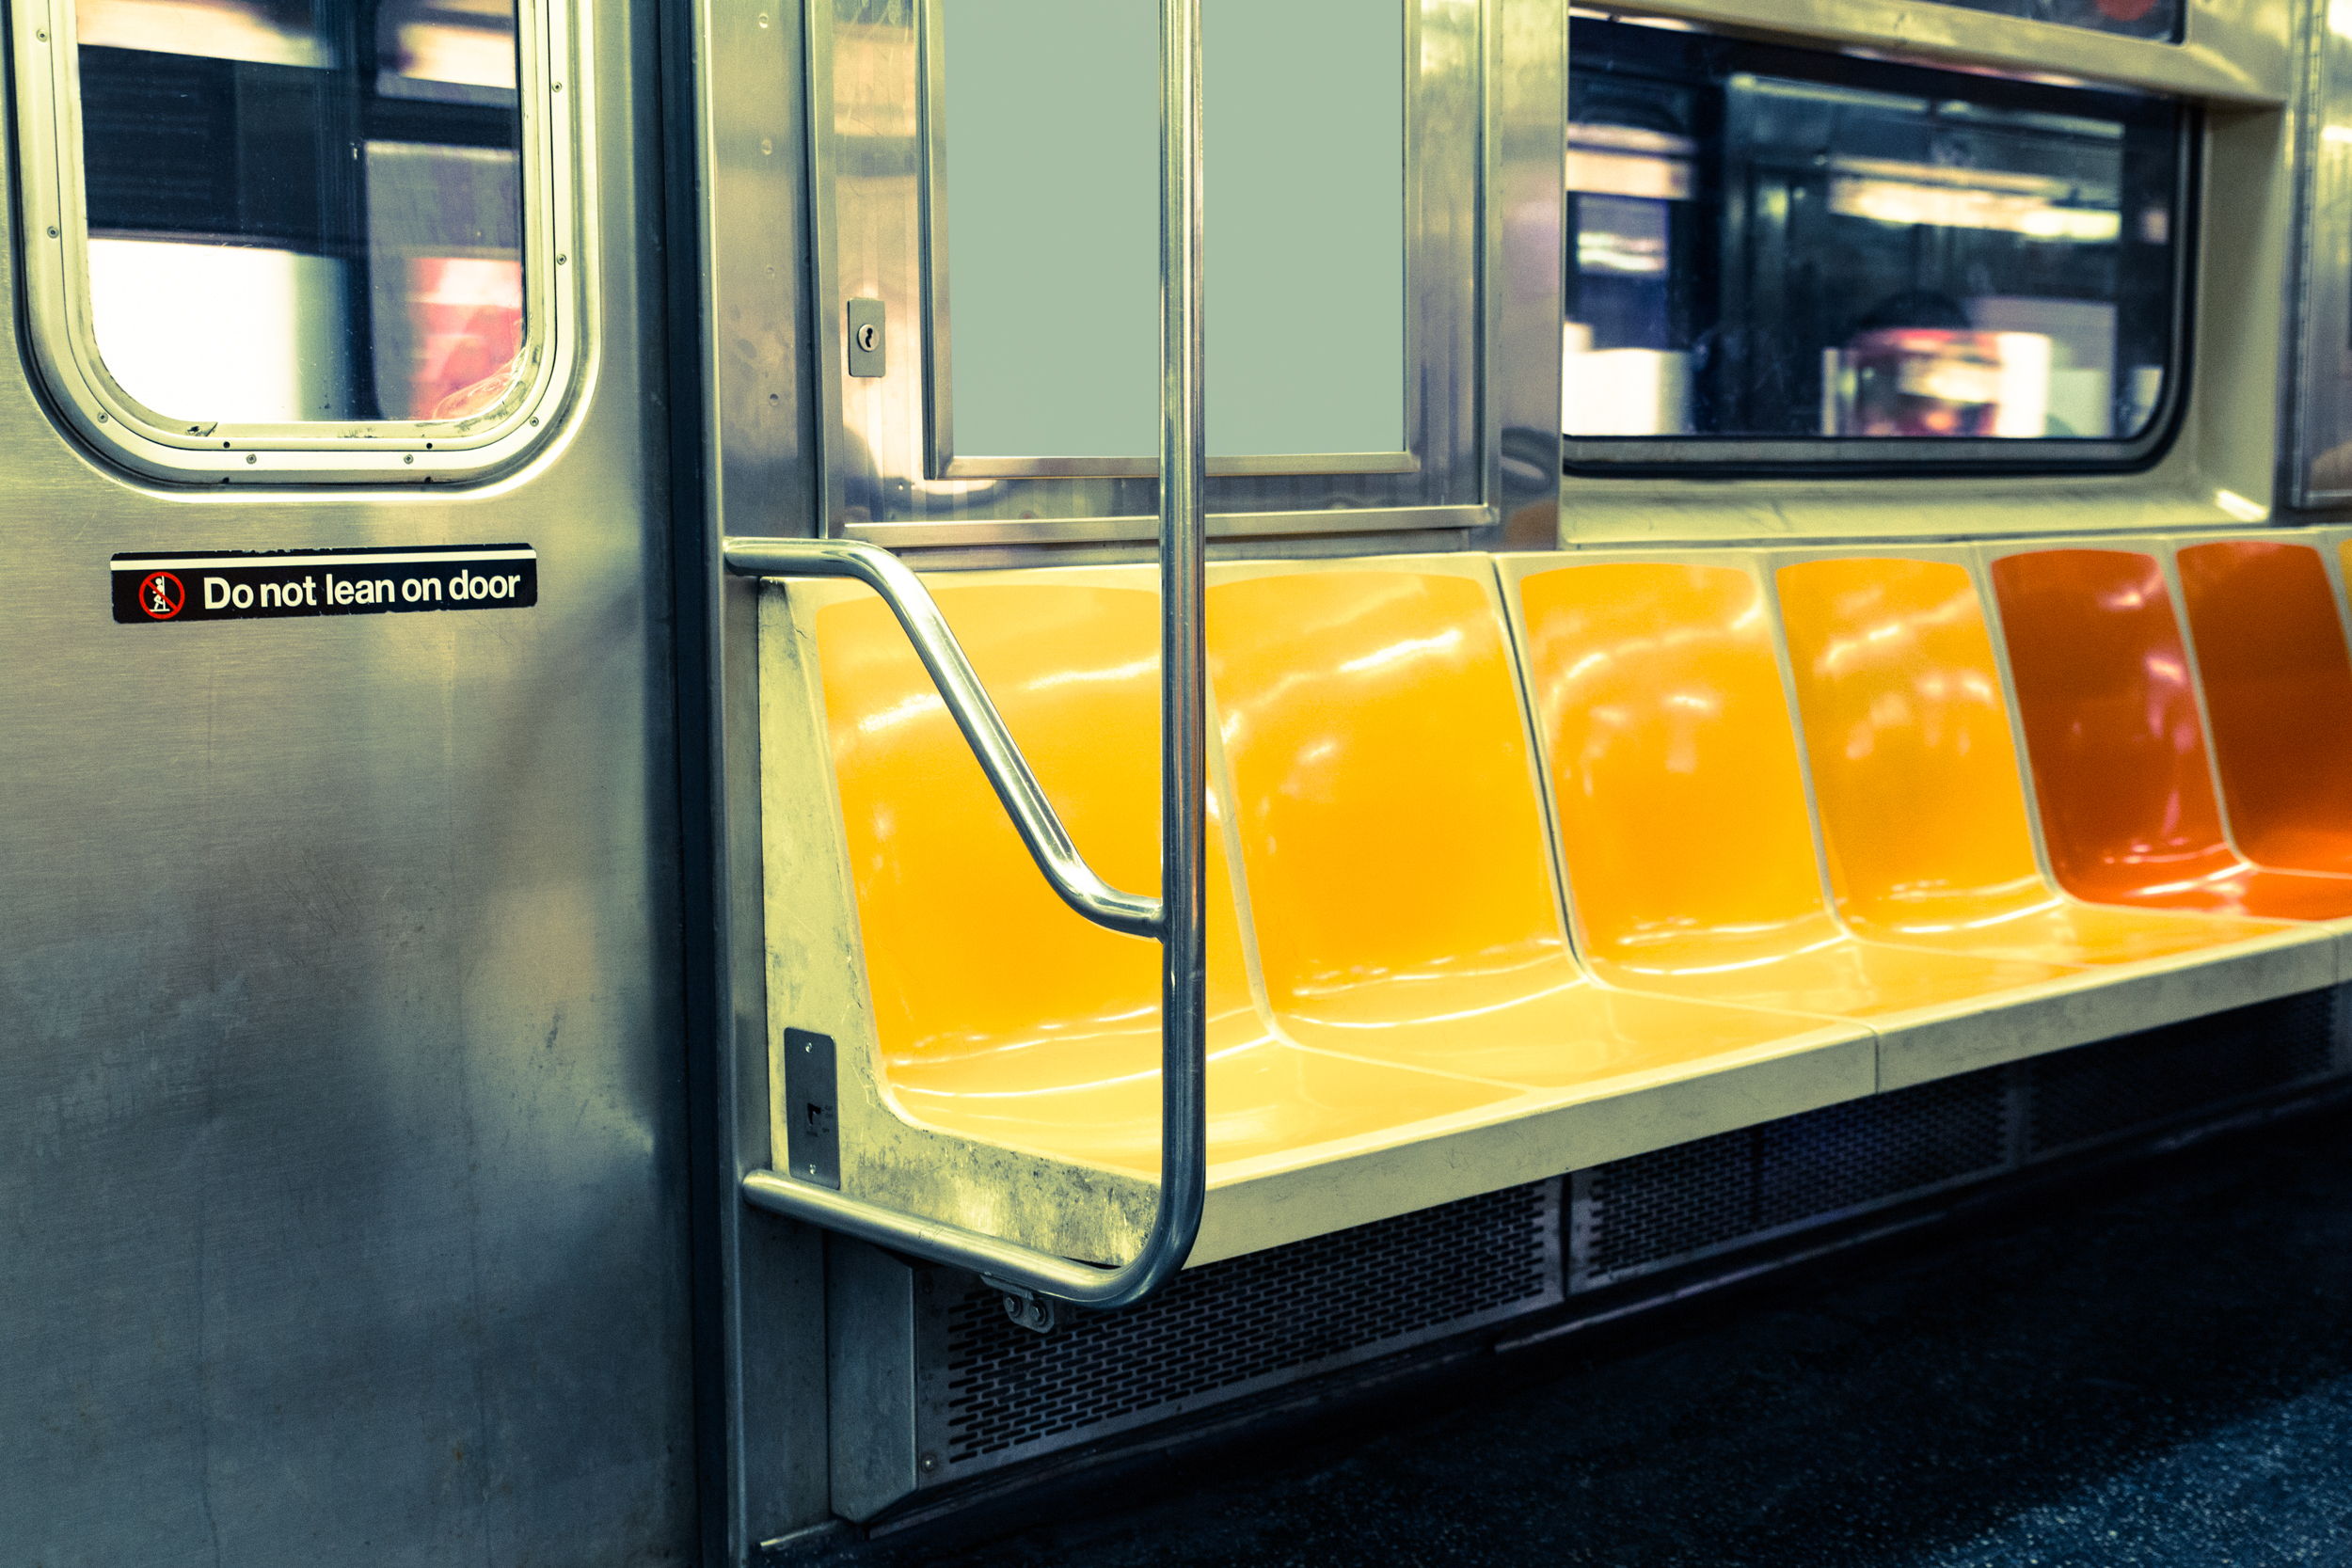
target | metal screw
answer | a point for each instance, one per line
(43, 37)
(251, 458)
(561, 258)
(53, 230)
(409, 458)
(929, 1461)
(766, 145)
(763, 19)
(559, 86)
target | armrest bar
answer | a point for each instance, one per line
(967, 701)
(1178, 917)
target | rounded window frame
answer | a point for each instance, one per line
(63, 347)
(1847, 457)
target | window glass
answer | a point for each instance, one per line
(304, 210)
(1777, 245)
(1050, 160)
(1052, 237)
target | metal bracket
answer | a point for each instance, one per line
(812, 1123)
(1025, 1305)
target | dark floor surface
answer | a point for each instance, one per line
(2149, 1367)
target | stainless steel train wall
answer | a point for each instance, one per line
(381, 1033)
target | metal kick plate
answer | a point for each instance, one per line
(870, 345)
(812, 1124)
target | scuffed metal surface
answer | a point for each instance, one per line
(342, 1172)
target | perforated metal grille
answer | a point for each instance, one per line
(1867, 1151)
(1635, 1217)
(1646, 1212)
(2094, 1091)
(1673, 1203)
(1223, 1327)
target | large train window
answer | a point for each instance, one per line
(1782, 256)
(1305, 217)
(985, 178)
(294, 239)
(2319, 449)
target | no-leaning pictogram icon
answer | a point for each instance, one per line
(161, 595)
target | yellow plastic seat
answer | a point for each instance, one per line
(1396, 1018)
(1394, 847)
(1000, 1014)
(1922, 810)
(997, 1056)
(1683, 823)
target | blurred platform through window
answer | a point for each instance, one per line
(1785, 246)
(307, 209)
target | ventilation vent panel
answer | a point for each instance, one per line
(995, 1391)
(1632, 1217)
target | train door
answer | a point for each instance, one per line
(342, 1117)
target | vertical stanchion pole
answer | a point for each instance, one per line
(1184, 739)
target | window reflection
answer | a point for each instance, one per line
(459, 51)
(305, 210)
(2140, 19)
(218, 29)
(1776, 243)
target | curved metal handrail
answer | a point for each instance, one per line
(968, 702)
(1177, 917)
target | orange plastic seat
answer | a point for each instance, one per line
(1001, 1015)
(2278, 683)
(2117, 747)
(1915, 776)
(1683, 824)
(1393, 842)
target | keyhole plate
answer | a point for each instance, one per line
(869, 340)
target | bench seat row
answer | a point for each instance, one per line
(1523, 864)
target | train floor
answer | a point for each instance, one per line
(2150, 1365)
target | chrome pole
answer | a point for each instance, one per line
(1183, 661)
(1179, 916)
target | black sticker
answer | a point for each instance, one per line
(265, 585)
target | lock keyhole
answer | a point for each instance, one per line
(869, 338)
